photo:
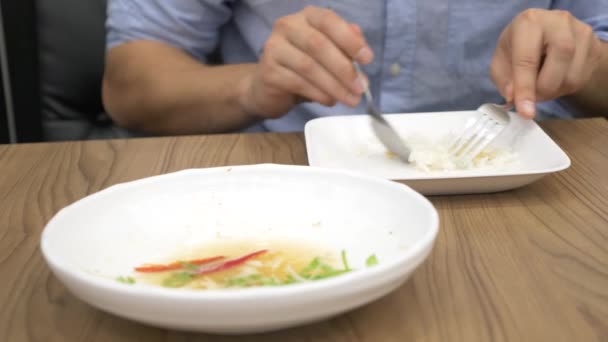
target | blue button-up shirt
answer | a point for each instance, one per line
(431, 55)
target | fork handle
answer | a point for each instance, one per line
(508, 106)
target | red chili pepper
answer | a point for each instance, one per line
(229, 264)
(176, 265)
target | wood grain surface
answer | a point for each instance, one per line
(523, 265)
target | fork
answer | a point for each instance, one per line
(480, 130)
(382, 128)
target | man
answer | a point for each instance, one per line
(288, 61)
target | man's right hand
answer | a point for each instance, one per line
(308, 57)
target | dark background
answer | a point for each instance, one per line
(55, 51)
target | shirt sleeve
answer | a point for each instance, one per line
(190, 25)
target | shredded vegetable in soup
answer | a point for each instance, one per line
(240, 266)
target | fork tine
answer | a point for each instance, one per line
(479, 141)
(486, 140)
(480, 132)
(471, 121)
(469, 134)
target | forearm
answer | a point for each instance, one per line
(152, 87)
(592, 99)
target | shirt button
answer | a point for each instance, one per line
(395, 69)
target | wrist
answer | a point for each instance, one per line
(244, 89)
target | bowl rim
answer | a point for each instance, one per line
(351, 282)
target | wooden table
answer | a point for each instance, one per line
(524, 265)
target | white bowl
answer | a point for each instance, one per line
(91, 242)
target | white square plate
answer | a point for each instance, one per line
(347, 142)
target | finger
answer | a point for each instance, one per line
(340, 33)
(356, 29)
(500, 67)
(290, 82)
(306, 67)
(315, 44)
(597, 50)
(560, 49)
(509, 92)
(526, 45)
(582, 64)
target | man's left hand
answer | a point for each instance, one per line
(543, 55)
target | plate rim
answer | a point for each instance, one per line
(313, 160)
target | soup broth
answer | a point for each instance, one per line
(239, 264)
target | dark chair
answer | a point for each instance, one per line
(55, 52)
(20, 87)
